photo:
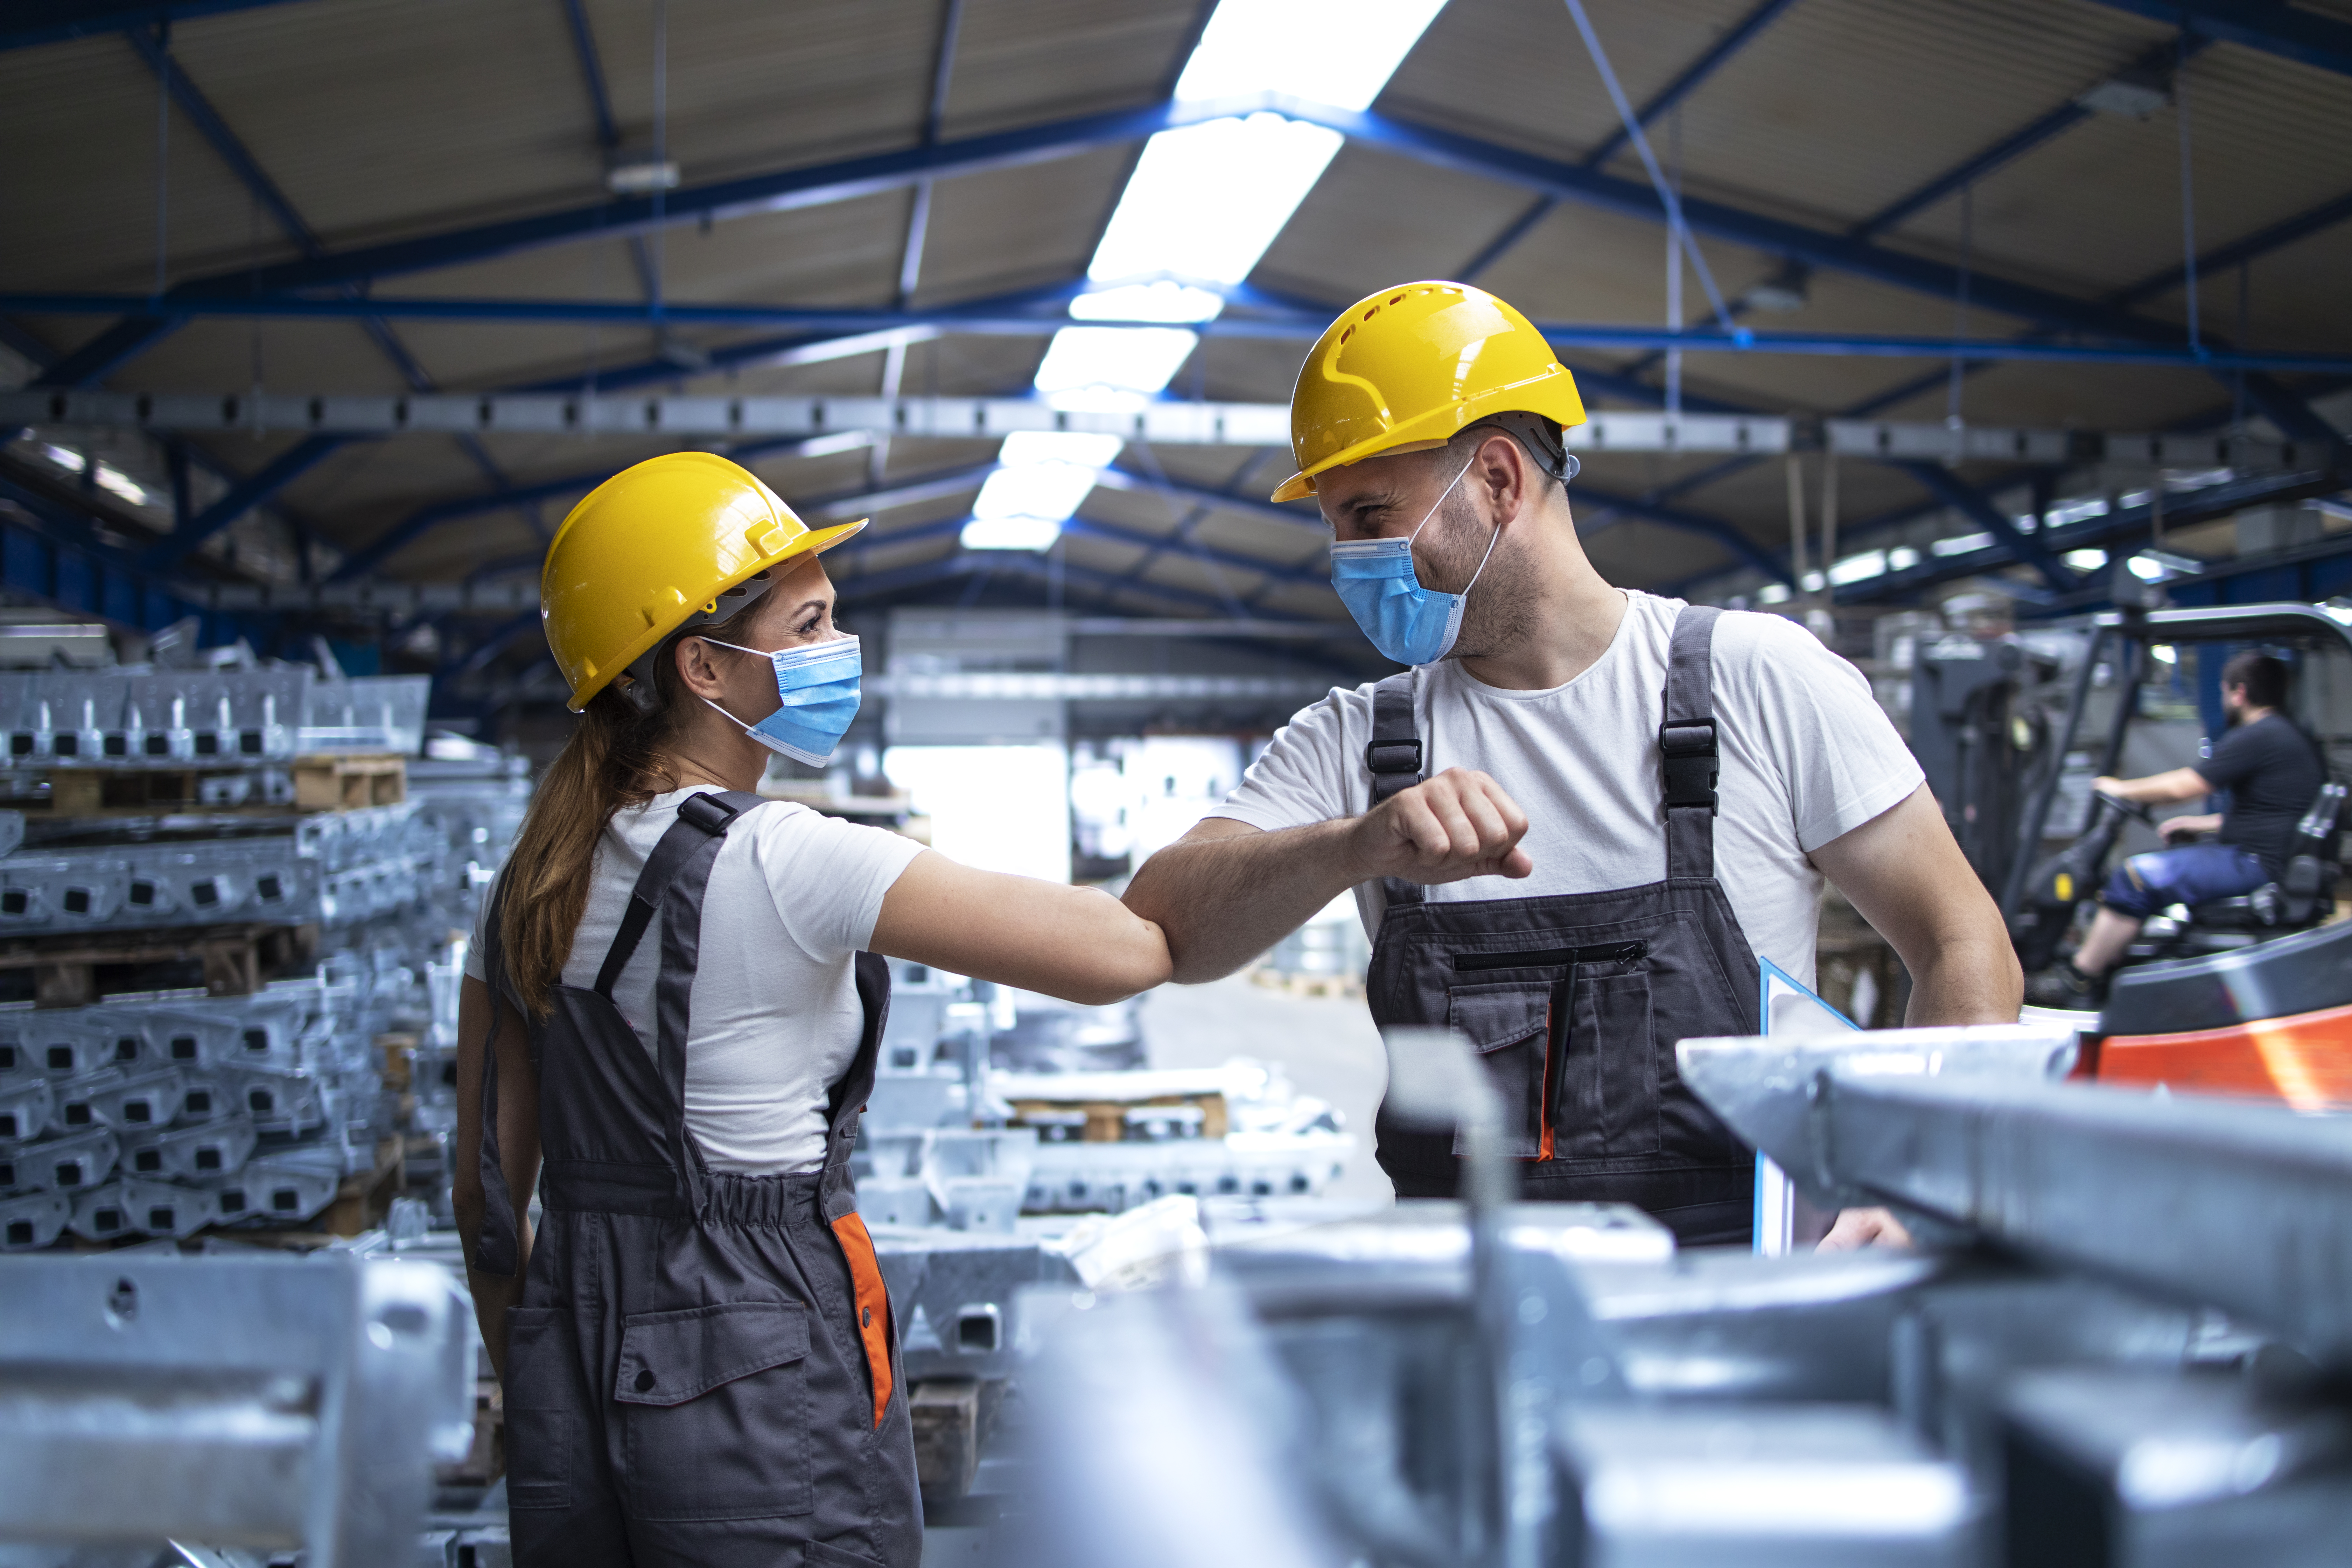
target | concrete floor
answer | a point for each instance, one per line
(1327, 1045)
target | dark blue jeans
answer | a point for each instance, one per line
(2190, 875)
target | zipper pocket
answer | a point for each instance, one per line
(1553, 957)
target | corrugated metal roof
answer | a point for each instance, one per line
(384, 118)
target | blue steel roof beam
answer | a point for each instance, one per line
(257, 488)
(2159, 62)
(27, 24)
(1518, 229)
(1742, 33)
(2289, 32)
(780, 190)
(100, 356)
(1972, 504)
(2260, 243)
(592, 75)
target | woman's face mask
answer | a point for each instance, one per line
(817, 684)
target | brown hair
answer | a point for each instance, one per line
(616, 757)
(2263, 675)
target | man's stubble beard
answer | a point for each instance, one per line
(1500, 611)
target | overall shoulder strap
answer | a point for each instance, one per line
(1686, 741)
(1395, 753)
(701, 818)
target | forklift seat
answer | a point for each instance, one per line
(2303, 896)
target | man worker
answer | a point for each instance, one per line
(1531, 816)
(2268, 769)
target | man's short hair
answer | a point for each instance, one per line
(1542, 440)
(2263, 675)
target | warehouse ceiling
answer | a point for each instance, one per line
(2002, 171)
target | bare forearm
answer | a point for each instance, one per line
(1222, 902)
(1966, 980)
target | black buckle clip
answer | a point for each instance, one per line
(1691, 764)
(707, 812)
(1393, 756)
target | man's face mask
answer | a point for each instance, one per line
(1376, 581)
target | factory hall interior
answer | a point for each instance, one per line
(1175, 784)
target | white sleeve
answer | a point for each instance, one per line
(1302, 776)
(476, 969)
(1839, 759)
(827, 876)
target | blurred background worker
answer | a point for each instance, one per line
(2267, 769)
(1580, 817)
(698, 1352)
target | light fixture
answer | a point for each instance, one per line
(2132, 93)
(2144, 568)
(1041, 477)
(1960, 543)
(641, 177)
(2085, 559)
(1859, 568)
(1086, 450)
(1785, 292)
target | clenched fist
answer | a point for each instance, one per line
(1449, 828)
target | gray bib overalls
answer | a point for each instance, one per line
(703, 1370)
(1575, 1001)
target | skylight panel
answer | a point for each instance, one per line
(1331, 52)
(1111, 368)
(1166, 300)
(1085, 449)
(1050, 490)
(1032, 534)
(1206, 201)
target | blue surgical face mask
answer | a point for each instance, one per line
(818, 685)
(1376, 581)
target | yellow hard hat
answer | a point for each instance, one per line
(654, 547)
(1411, 367)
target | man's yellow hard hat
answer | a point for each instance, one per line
(654, 547)
(1411, 367)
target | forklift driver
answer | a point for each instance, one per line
(2266, 768)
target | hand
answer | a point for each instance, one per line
(2105, 786)
(1858, 1228)
(1446, 829)
(2178, 827)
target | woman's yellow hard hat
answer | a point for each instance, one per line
(1411, 367)
(652, 548)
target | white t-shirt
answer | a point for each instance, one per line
(1806, 756)
(794, 896)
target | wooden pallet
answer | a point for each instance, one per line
(1107, 1120)
(1299, 983)
(363, 1201)
(349, 782)
(235, 959)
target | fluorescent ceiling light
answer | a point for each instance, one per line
(1049, 490)
(1859, 568)
(1012, 532)
(1111, 367)
(1961, 543)
(122, 485)
(65, 457)
(2147, 570)
(1165, 300)
(641, 177)
(1206, 201)
(1339, 52)
(2085, 559)
(1902, 558)
(1089, 451)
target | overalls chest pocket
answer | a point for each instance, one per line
(1569, 1037)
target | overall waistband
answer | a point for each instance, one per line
(592, 1187)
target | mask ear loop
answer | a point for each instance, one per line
(1491, 539)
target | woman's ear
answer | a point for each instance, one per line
(698, 667)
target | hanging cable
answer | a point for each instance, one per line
(1797, 526)
(661, 154)
(1829, 522)
(2188, 194)
(2245, 302)
(162, 154)
(1675, 268)
(1667, 195)
(1952, 420)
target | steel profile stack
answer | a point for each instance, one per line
(159, 828)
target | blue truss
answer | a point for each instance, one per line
(2289, 32)
(26, 24)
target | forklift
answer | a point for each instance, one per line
(2249, 994)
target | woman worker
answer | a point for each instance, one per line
(675, 1001)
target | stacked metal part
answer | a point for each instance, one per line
(2121, 1339)
(159, 1112)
